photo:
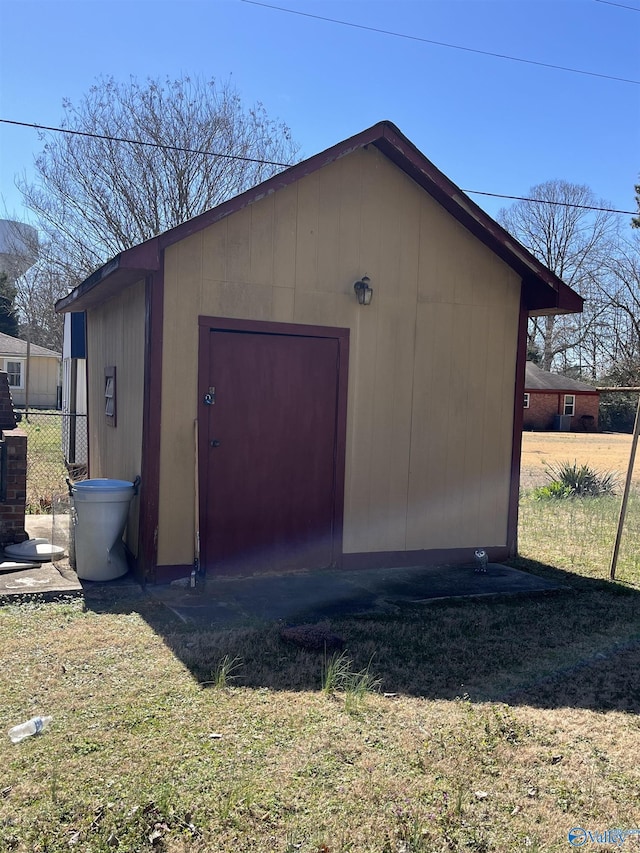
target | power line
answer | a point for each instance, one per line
(286, 165)
(556, 203)
(440, 43)
(619, 5)
(162, 145)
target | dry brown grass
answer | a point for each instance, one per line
(142, 757)
(603, 451)
(505, 724)
(579, 535)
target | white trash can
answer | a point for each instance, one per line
(101, 510)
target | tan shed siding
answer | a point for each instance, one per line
(115, 337)
(431, 362)
(179, 386)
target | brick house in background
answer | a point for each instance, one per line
(555, 402)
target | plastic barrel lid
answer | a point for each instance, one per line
(102, 485)
(34, 549)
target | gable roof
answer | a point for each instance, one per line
(537, 379)
(16, 346)
(544, 292)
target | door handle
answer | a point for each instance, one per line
(214, 442)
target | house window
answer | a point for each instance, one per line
(110, 408)
(569, 404)
(15, 374)
(526, 399)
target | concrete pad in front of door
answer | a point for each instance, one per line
(313, 596)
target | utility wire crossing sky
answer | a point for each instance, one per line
(168, 147)
(442, 43)
(500, 94)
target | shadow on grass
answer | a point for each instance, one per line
(577, 647)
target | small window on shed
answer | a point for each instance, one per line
(526, 399)
(110, 395)
(569, 404)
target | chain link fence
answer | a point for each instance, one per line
(57, 448)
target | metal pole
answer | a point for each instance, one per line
(28, 371)
(625, 496)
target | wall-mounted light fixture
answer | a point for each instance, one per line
(363, 290)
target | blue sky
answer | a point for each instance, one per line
(487, 123)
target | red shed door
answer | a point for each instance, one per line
(270, 453)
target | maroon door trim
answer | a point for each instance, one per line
(146, 563)
(206, 326)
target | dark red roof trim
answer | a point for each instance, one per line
(544, 292)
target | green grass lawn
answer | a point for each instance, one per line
(497, 725)
(579, 535)
(46, 471)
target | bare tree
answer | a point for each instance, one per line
(573, 242)
(38, 289)
(95, 197)
(624, 294)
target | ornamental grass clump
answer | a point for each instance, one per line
(570, 480)
(338, 676)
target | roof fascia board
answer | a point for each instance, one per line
(534, 274)
(544, 292)
(117, 272)
(126, 268)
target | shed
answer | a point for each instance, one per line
(33, 371)
(556, 402)
(329, 432)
